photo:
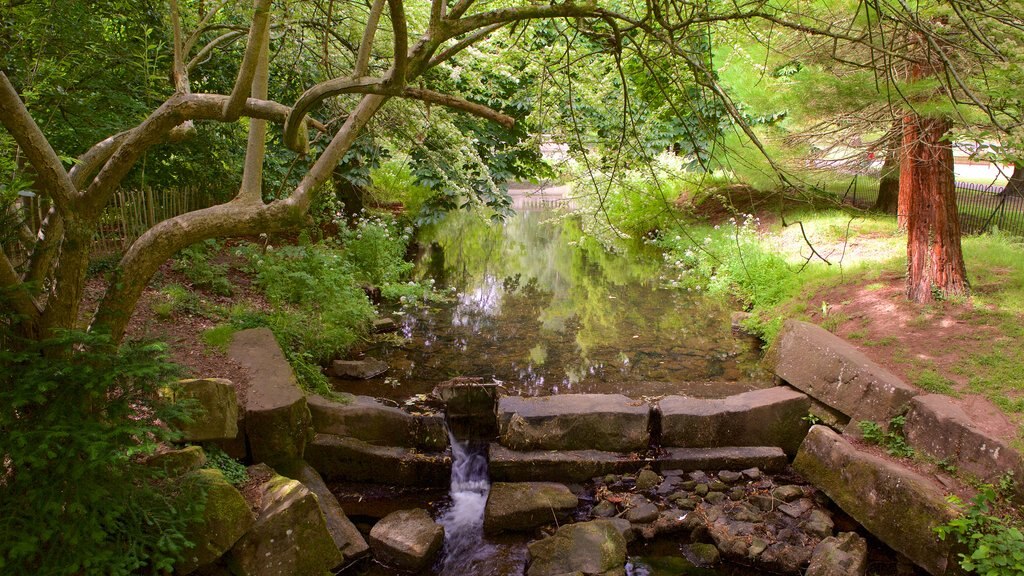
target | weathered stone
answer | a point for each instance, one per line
(818, 524)
(788, 492)
(566, 466)
(843, 555)
(178, 462)
(938, 427)
(358, 369)
(226, 517)
(407, 539)
(277, 421)
(366, 419)
(346, 536)
(831, 370)
(729, 476)
(752, 474)
(796, 508)
(384, 325)
(642, 513)
(467, 397)
(768, 417)
(216, 417)
(609, 422)
(771, 459)
(341, 458)
(290, 536)
(785, 558)
(757, 546)
(899, 506)
(647, 479)
(526, 505)
(604, 509)
(704, 554)
(714, 497)
(587, 548)
(670, 521)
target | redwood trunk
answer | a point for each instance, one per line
(889, 185)
(935, 264)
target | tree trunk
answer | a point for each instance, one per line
(935, 264)
(889, 186)
(1015, 187)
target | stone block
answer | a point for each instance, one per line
(518, 506)
(345, 534)
(217, 409)
(365, 418)
(564, 465)
(407, 539)
(226, 517)
(765, 458)
(341, 458)
(609, 422)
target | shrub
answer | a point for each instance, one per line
(995, 544)
(233, 470)
(892, 440)
(194, 263)
(375, 248)
(78, 415)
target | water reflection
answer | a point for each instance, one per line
(543, 309)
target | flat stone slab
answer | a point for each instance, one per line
(566, 465)
(520, 506)
(772, 416)
(609, 422)
(938, 427)
(765, 458)
(407, 539)
(595, 547)
(217, 417)
(831, 370)
(277, 421)
(897, 505)
(341, 458)
(366, 419)
(358, 369)
(346, 536)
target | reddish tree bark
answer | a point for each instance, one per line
(935, 263)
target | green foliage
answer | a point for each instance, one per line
(892, 440)
(176, 299)
(78, 417)
(995, 543)
(194, 263)
(219, 336)
(375, 248)
(233, 470)
(932, 381)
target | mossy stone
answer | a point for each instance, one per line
(226, 517)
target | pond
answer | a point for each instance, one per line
(543, 309)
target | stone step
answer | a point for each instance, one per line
(896, 504)
(767, 458)
(609, 422)
(772, 416)
(348, 459)
(563, 465)
(367, 419)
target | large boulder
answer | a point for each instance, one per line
(366, 419)
(346, 536)
(226, 517)
(587, 548)
(831, 370)
(938, 427)
(277, 421)
(407, 539)
(217, 409)
(768, 417)
(610, 422)
(290, 536)
(566, 465)
(342, 458)
(842, 555)
(527, 505)
(899, 506)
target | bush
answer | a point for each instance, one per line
(995, 545)
(78, 416)
(375, 248)
(194, 263)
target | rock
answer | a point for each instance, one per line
(746, 513)
(737, 493)
(565, 466)
(788, 493)
(938, 427)
(843, 555)
(178, 462)
(785, 558)
(467, 397)
(899, 506)
(668, 485)
(764, 502)
(366, 419)
(732, 538)
(608, 422)
(703, 554)
(771, 459)
(346, 536)
(526, 505)
(714, 497)
(358, 369)
(226, 517)
(752, 474)
(647, 479)
(670, 521)
(604, 509)
(757, 546)
(216, 417)
(290, 536)
(384, 325)
(642, 513)
(818, 524)
(277, 421)
(831, 370)
(729, 477)
(407, 539)
(341, 458)
(587, 548)
(796, 508)
(768, 417)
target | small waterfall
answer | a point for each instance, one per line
(465, 551)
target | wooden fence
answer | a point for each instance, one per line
(131, 212)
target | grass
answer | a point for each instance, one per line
(932, 381)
